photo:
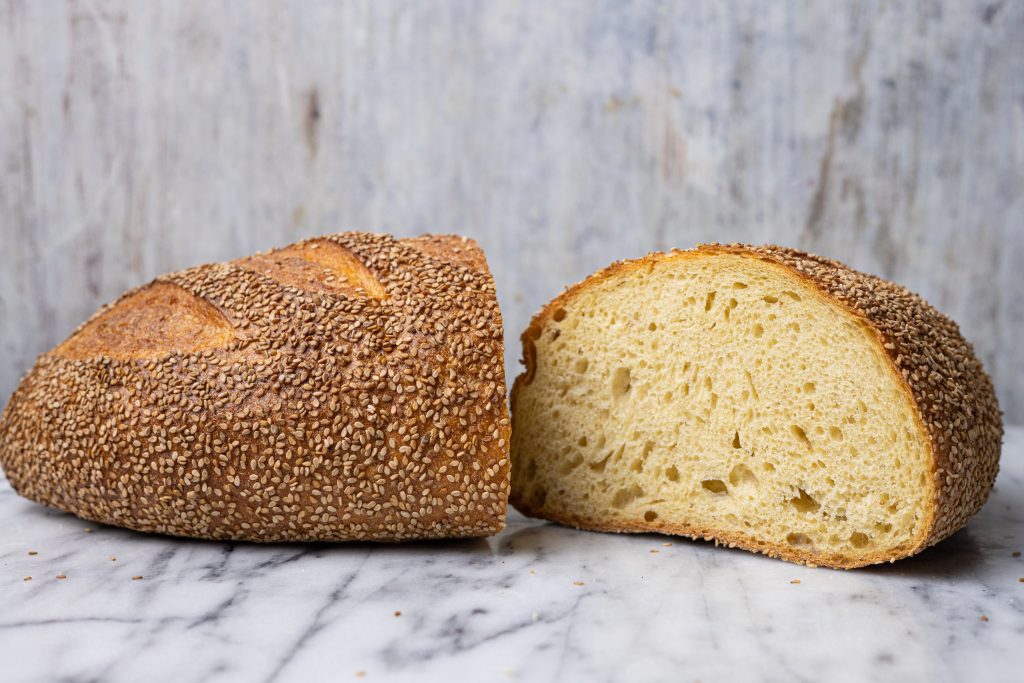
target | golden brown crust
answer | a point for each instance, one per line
(945, 383)
(360, 395)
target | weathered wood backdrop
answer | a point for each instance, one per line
(140, 137)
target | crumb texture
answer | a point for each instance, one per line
(758, 397)
(346, 387)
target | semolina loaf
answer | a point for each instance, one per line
(759, 397)
(346, 387)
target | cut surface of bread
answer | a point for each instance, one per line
(742, 395)
(345, 387)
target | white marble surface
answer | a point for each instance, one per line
(505, 608)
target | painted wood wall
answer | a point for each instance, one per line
(141, 137)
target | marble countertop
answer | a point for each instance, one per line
(535, 603)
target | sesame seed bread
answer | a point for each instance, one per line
(346, 387)
(759, 397)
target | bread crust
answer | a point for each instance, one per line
(353, 388)
(944, 383)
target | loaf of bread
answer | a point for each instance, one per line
(759, 397)
(346, 387)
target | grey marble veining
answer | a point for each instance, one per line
(536, 603)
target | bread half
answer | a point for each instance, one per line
(759, 397)
(346, 387)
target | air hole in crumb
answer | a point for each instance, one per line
(768, 467)
(624, 497)
(638, 465)
(736, 440)
(739, 285)
(770, 299)
(741, 475)
(600, 464)
(836, 433)
(671, 473)
(601, 442)
(709, 301)
(799, 433)
(583, 441)
(572, 463)
(652, 327)
(668, 397)
(883, 527)
(758, 329)
(858, 540)
(809, 387)
(804, 502)
(650, 516)
(620, 382)
(792, 295)
(559, 315)
(531, 468)
(714, 485)
(581, 365)
(556, 334)
(539, 497)
(799, 540)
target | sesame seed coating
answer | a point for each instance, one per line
(346, 387)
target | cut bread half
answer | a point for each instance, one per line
(755, 396)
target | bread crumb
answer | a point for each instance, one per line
(360, 674)
(1021, 579)
(398, 613)
(795, 581)
(577, 583)
(32, 552)
(62, 576)
(1016, 553)
(136, 578)
(29, 578)
(655, 551)
(667, 545)
(113, 559)
(87, 530)
(982, 618)
(533, 573)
